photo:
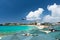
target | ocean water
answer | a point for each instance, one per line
(13, 29)
(32, 30)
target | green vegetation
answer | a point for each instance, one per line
(31, 23)
(17, 24)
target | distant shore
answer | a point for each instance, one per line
(32, 23)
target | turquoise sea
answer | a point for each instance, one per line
(14, 29)
(31, 30)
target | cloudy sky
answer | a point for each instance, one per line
(15, 10)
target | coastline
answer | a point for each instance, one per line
(37, 26)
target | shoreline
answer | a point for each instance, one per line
(37, 26)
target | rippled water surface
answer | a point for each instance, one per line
(32, 30)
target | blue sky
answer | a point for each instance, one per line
(14, 10)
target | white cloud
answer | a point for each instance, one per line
(55, 13)
(49, 18)
(34, 15)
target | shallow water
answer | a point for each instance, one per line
(12, 29)
(31, 30)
